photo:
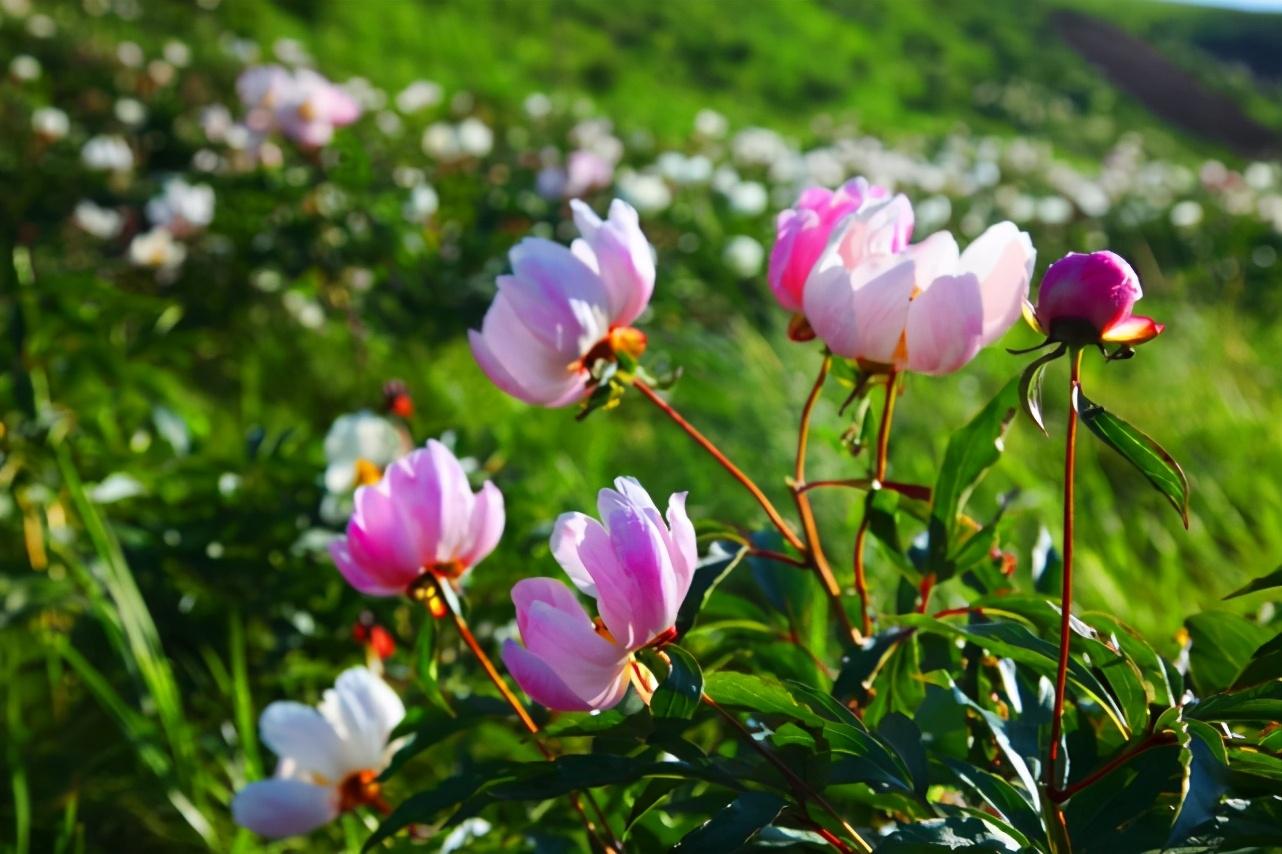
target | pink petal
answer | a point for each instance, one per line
(520, 364)
(623, 256)
(1002, 260)
(562, 302)
(541, 683)
(634, 602)
(356, 574)
(1099, 287)
(861, 314)
(486, 525)
(578, 542)
(945, 325)
(277, 808)
(683, 548)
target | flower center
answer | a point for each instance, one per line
(367, 474)
(361, 789)
(620, 340)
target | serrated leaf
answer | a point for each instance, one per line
(1138, 449)
(735, 824)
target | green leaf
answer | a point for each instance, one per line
(763, 694)
(905, 739)
(538, 781)
(678, 695)
(947, 834)
(791, 735)
(1265, 665)
(1203, 781)
(1248, 761)
(735, 824)
(712, 568)
(1008, 801)
(860, 663)
(1265, 582)
(423, 807)
(651, 796)
(1139, 450)
(1030, 387)
(971, 452)
(1222, 644)
(429, 678)
(1261, 703)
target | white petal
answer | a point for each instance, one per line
(276, 808)
(302, 735)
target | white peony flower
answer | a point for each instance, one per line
(182, 208)
(107, 154)
(329, 757)
(157, 249)
(358, 447)
(50, 123)
(102, 223)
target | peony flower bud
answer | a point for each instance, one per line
(561, 310)
(636, 567)
(421, 517)
(1086, 298)
(803, 231)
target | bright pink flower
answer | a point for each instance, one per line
(927, 309)
(422, 516)
(636, 567)
(802, 232)
(562, 309)
(1087, 299)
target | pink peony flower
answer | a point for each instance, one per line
(329, 757)
(928, 308)
(421, 517)
(1088, 298)
(563, 309)
(802, 233)
(636, 567)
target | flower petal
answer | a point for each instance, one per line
(558, 298)
(519, 363)
(633, 603)
(363, 710)
(945, 325)
(486, 526)
(357, 575)
(578, 541)
(277, 808)
(302, 735)
(545, 687)
(1133, 330)
(622, 254)
(1002, 260)
(861, 314)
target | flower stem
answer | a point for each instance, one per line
(435, 588)
(814, 546)
(1066, 593)
(801, 789)
(879, 473)
(704, 442)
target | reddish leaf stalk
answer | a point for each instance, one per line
(1157, 739)
(814, 546)
(879, 473)
(433, 591)
(1066, 594)
(801, 789)
(704, 442)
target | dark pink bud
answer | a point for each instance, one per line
(1087, 298)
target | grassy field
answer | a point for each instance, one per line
(205, 599)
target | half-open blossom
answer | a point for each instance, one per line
(421, 517)
(329, 757)
(802, 233)
(927, 309)
(637, 568)
(1086, 298)
(561, 310)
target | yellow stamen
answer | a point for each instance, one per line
(367, 474)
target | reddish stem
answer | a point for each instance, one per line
(814, 547)
(417, 591)
(909, 490)
(801, 789)
(704, 442)
(924, 591)
(1157, 739)
(1066, 593)
(779, 557)
(879, 474)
